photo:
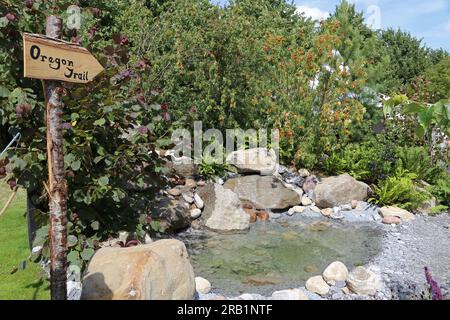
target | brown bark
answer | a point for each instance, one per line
(57, 182)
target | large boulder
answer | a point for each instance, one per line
(264, 192)
(335, 191)
(175, 213)
(222, 209)
(259, 160)
(157, 271)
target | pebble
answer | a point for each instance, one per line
(290, 294)
(299, 209)
(304, 173)
(392, 220)
(196, 213)
(198, 201)
(346, 207)
(202, 285)
(337, 214)
(190, 183)
(174, 192)
(263, 215)
(306, 201)
(354, 204)
(327, 212)
(201, 183)
(317, 285)
(188, 198)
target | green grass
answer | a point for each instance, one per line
(28, 284)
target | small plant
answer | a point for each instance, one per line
(441, 190)
(416, 160)
(435, 290)
(370, 161)
(209, 168)
(400, 190)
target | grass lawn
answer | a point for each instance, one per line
(25, 284)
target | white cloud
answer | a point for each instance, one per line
(312, 12)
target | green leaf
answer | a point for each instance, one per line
(414, 107)
(420, 131)
(72, 241)
(95, 225)
(3, 22)
(425, 118)
(87, 254)
(73, 257)
(103, 181)
(4, 92)
(76, 165)
(99, 122)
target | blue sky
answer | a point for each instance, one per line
(427, 19)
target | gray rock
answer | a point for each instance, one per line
(263, 192)
(259, 160)
(363, 282)
(173, 212)
(340, 190)
(223, 211)
(157, 271)
(310, 184)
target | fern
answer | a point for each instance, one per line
(400, 190)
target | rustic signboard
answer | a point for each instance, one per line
(53, 59)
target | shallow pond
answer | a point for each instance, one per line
(277, 255)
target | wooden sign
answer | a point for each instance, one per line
(52, 59)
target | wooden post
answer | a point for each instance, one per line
(57, 183)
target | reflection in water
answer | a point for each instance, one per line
(277, 255)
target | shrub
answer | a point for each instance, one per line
(400, 190)
(441, 190)
(369, 161)
(417, 160)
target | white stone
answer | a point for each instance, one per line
(202, 285)
(306, 201)
(363, 282)
(290, 294)
(37, 250)
(123, 236)
(299, 209)
(147, 239)
(336, 271)
(346, 207)
(291, 212)
(187, 198)
(315, 209)
(258, 160)
(198, 201)
(196, 213)
(317, 285)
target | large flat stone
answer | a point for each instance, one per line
(264, 192)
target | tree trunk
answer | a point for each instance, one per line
(57, 182)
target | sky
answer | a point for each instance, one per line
(426, 19)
